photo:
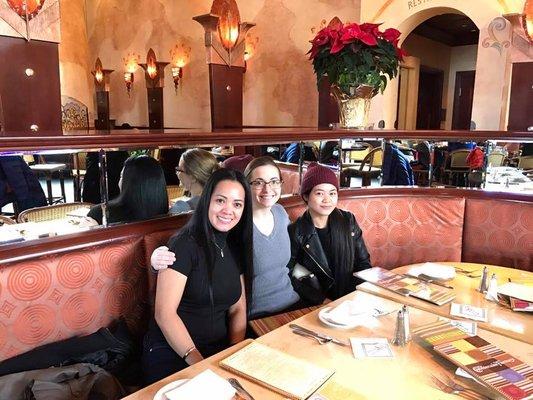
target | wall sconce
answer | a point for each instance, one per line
(179, 57)
(154, 70)
(101, 76)
(250, 45)
(224, 32)
(27, 9)
(130, 65)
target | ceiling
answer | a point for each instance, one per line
(449, 29)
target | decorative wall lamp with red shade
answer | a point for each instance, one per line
(101, 84)
(527, 20)
(131, 61)
(180, 55)
(225, 42)
(154, 72)
(27, 9)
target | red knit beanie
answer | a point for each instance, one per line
(237, 163)
(317, 174)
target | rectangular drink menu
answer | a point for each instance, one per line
(406, 286)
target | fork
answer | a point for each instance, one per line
(319, 340)
(452, 387)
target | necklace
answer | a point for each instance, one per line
(220, 248)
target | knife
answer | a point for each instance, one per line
(295, 327)
(240, 390)
(426, 279)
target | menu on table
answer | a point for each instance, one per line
(281, 372)
(499, 370)
(406, 286)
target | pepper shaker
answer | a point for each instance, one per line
(483, 283)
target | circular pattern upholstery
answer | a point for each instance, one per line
(118, 297)
(399, 210)
(115, 260)
(29, 282)
(376, 211)
(75, 270)
(34, 324)
(79, 311)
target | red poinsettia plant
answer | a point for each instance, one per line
(353, 54)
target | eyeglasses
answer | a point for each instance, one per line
(273, 183)
(178, 170)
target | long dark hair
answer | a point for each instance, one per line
(143, 194)
(239, 238)
(343, 249)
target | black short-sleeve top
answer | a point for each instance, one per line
(206, 321)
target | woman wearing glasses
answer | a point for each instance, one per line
(272, 289)
(194, 169)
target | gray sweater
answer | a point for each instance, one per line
(272, 290)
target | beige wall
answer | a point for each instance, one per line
(491, 87)
(74, 63)
(279, 86)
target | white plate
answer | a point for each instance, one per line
(356, 321)
(168, 387)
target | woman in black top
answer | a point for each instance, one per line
(200, 305)
(325, 240)
(143, 193)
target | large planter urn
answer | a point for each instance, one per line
(353, 107)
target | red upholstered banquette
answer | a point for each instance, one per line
(73, 285)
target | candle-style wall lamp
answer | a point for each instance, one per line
(225, 42)
(131, 61)
(250, 45)
(180, 55)
(154, 72)
(224, 33)
(101, 84)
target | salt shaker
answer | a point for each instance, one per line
(402, 332)
(483, 283)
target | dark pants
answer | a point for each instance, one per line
(159, 361)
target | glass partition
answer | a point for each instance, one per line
(66, 184)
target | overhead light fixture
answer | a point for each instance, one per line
(179, 57)
(131, 61)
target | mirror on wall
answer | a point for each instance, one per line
(48, 193)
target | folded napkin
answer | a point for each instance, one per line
(351, 313)
(206, 385)
(434, 270)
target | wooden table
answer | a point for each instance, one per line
(501, 320)
(407, 375)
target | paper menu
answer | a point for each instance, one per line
(469, 311)
(283, 373)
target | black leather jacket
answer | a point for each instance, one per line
(306, 249)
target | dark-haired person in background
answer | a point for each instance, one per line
(325, 240)
(200, 305)
(143, 193)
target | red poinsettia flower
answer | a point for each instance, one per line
(368, 38)
(322, 37)
(336, 42)
(351, 33)
(391, 35)
(370, 28)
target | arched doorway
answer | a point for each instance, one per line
(436, 82)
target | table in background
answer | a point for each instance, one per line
(516, 325)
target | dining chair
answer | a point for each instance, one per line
(175, 191)
(49, 213)
(525, 162)
(369, 168)
(495, 159)
(457, 166)
(5, 220)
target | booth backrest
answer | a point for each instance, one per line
(499, 232)
(54, 297)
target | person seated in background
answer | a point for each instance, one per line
(200, 304)
(327, 245)
(194, 169)
(475, 161)
(272, 290)
(19, 185)
(292, 153)
(237, 163)
(143, 193)
(396, 167)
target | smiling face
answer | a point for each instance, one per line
(265, 196)
(322, 199)
(226, 205)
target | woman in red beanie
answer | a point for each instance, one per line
(327, 245)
